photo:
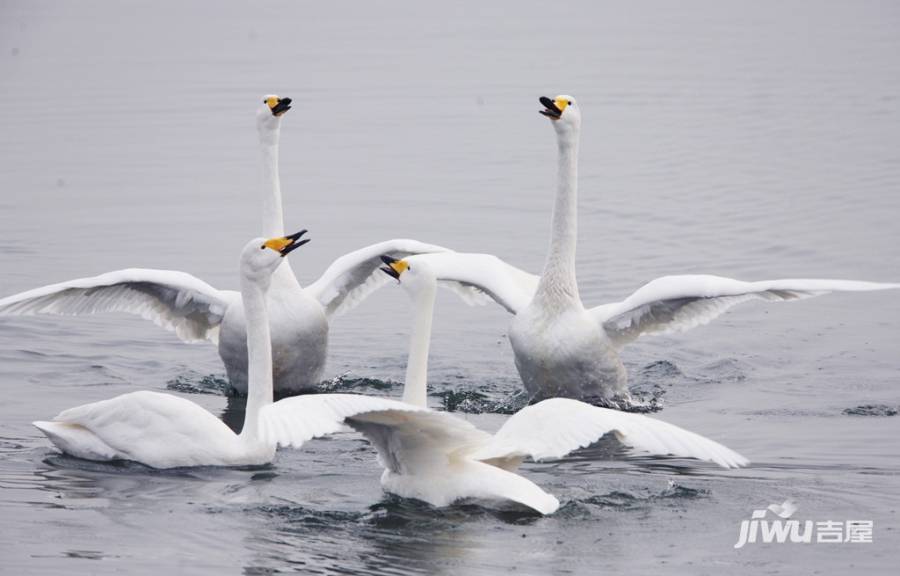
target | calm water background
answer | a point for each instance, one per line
(756, 141)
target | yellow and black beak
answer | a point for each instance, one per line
(394, 267)
(286, 244)
(277, 105)
(553, 109)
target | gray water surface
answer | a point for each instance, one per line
(753, 141)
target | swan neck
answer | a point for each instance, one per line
(415, 391)
(273, 215)
(558, 279)
(259, 354)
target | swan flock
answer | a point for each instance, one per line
(272, 337)
(431, 456)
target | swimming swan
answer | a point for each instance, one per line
(166, 431)
(432, 456)
(196, 311)
(440, 458)
(562, 348)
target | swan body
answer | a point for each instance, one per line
(565, 353)
(155, 429)
(299, 342)
(562, 348)
(441, 459)
(196, 311)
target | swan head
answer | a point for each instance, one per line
(261, 256)
(413, 280)
(269, 113)
(563, 111)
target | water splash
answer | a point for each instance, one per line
(871, 410)
(346, 383)
(620, 500)
(196, 384)
(473, 402)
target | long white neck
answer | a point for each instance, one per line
(558, 280)
(259, 355)
(415, 391)
(273, 214)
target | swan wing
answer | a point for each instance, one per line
(174, 300)
(354, 276)
(293, 421)
(679, 303)
(555, 427)
(505, 284)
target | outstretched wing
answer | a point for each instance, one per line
(354, 276)
(679, 303)
(174, 300)
(507, 285)
(294, 421)
(555, 427)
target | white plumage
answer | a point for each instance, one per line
(173, 300)
(554, 427)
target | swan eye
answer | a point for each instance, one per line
(263, 247)
(570, 102)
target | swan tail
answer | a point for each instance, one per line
(489, 482)
(76, 440)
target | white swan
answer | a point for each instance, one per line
(194, 310)
(440, 458)
(432, 456)
(166, 431)
(564, 349)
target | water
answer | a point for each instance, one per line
(754, 141)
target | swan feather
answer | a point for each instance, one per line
(355, 275)
(510, 287)
(555, 427)
(678, 303)
(173, 300)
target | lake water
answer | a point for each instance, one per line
(756, 141)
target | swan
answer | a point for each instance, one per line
(429, 455)
(563, 349)
(196, 311)
(166, 431)
(440, 458)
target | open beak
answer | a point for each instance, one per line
(279, 106)
(394, 267)
(287, 244)
(551, 110)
